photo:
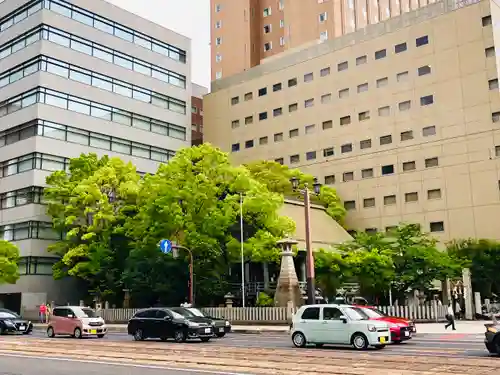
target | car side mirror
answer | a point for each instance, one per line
(168, 318)
(343, 318)
(71, 316)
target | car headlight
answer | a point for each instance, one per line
(227, 324)
(372, 328)
(8, 323)
(492, 329)
(193, 324)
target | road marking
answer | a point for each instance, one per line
(152, 367)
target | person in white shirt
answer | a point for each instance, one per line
(450, 318)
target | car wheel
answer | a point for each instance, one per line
(378, 347)
(1, 331)
(138, 335)
(221, 335)
(100, 336)
(77, 334)
(397, 342)
(299, 340)
(180, 336)
(205, 339)
(359, 341)
(50, 332)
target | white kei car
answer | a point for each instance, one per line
(337, 325)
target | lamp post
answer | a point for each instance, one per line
(311, 289)
(242, 253)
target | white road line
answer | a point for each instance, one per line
(153, 367)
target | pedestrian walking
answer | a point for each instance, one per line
(450, 317)
(49, 313)
(43, 312)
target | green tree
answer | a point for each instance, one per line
(90, 205)
(9, 258)
(331, 271)
(194, 200)
(277, 179)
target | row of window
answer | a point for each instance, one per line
(83, 137)
(90, 108)
(29, 229)
(36, 266)
(67, 9)
(342, 66)
(88, 77)
(21, 197)
(434, 227)
(87, 47)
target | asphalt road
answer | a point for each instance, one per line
(450, 345)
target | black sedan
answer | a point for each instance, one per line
(221, 326)
(164, 323)
(492, 337)
(10, 322)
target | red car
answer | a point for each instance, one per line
(401, 329)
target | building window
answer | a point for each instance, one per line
(348, 176)
(326, 98)
(263, 91)
(367, 173)
(235, 147)
(248, 120)
(350, 205)
(431, 162)
(497, 151)
(385, 140)
(263, 141)
(346, 148)
(327, 152)
(409, 166)
(361, 60)
(218, 24)
(293, 107)
(262, 116)
(387, 169)
(309, 103)
(282, 23)
(280, 161)
(407, 135)
(327, 124)
(218, 41)
(330, 180)
(495, 117)
(248, 96)
(278, 137)
(426, 100)
(266, 12)
(249, 144)
(342, 66)
(21, 197)
(437, 226)
(402, 77)
(267, 29)
(369, 202)
(294, 159)
(493, 84)
(434, 194)
(363, 116)
(310, 129)
(277, 112)
(371, 230)
(405, 106)
(218, 8)
(268, 46)
(346, 120)
(381, 82)
(363, 87)
(282, 41)
(322, 17)
(422, 41)
(281, 4)
(311, 155)
(489, 52)
(389, 200)
(398, 48)
(218, 75)
(428, 131)
(277, 87)
(424, 70)
(292, 82)
(218, 58)
(486, 20)
(384, 111)
(29, 229)
(235, 124)
(344, 93)
(308, 77)
(366, 143)
(411, 197)
(293, 133)
(324, 72)
(380, 54)
(235, 100)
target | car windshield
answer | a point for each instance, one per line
(196, 312)
(6, 315)
(381, 313)
(355, 313)
(85, 313)
(177, 315)
(372, 313)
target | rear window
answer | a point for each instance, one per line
(146, 314)
(311, 313)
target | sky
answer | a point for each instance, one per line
(187, 17)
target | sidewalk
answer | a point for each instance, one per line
(463, 327)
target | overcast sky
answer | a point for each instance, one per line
(187, 17)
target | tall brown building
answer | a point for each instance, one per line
(244, 32)
(197, 114)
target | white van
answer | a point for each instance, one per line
(338, 325)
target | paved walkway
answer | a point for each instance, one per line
(463, 327)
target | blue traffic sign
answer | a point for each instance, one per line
(165, 246)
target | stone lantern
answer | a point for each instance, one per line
(288, 292)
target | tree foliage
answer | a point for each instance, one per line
(9, 258)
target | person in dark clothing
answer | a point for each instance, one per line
(450, 317)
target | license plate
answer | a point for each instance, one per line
(221, 329)
(407, 333)
(208, 330)
(382, 340)
(22, 328)
(93, 331)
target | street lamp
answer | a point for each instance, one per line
(311, 289)
(242, 253)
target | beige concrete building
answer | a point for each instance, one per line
(245, 32)
(402, 118)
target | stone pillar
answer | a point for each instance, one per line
(288, 292)
(469, 313)
(445, 286)
(303, 275)
(265, 271)
(477, 302)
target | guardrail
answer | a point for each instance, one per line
(283, 315)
